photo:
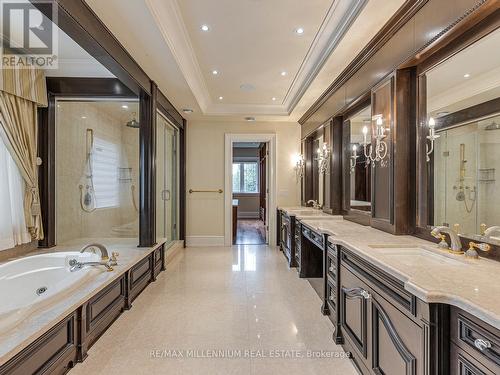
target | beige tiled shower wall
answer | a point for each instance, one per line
(108, 120)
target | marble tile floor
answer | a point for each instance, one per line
(241, 303)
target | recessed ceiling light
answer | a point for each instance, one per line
(215, 72)
(124, 106)
(221, 97)
(466, 75)
(84, 117)
(250, 118)
(283, 73)
(187, 110)
(205, 28)
(273, 99)
(299, 31)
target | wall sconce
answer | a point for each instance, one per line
(300, 164)
(323, 158)
(380, 149)
(431, 137)
(354, 157)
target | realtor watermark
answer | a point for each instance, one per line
(245, 354)
(29, 34)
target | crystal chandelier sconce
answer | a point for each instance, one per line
(431, 137)
(379, 152)
(299, 166)
(354, 157)
(323, 158)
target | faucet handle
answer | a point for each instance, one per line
(472, 253)
(456, 228)
(482, 228)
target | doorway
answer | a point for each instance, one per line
(249, 184)
(250, 189)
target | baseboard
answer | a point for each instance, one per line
(204, 241)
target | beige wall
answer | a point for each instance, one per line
(205, 170)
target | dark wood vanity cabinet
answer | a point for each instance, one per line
(384, 334)
(287, 237)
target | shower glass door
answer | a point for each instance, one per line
(166, 180)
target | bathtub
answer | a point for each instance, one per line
(31, 283)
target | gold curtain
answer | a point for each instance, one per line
(18, 120)
(25, 82)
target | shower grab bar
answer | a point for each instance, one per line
(191, 191)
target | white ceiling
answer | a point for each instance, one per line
(249, 42)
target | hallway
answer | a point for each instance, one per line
(240, 298)
(251, 232)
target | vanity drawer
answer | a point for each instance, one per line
(386, 285)
(332, 250)
(314, 237)
(461, 363)
(331, 293)
(476, 337)
(331, 267)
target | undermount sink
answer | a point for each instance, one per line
(409, 255)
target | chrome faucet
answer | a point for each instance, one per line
(489, 232)
(315, 204)
(105, 260)
(456, 245)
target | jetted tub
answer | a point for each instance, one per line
(30, 283)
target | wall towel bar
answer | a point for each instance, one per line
(191, 191)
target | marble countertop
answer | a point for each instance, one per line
(310, 213)
(43, 319)
(431, 274)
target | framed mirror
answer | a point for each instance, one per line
(359, 171)
(460, 140)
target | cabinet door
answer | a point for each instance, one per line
(396, 341)
(354, 311)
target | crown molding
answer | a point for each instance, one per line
(341, 15)
(336, 23)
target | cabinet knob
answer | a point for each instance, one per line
(331, 298)
(330, 269)
(365, 294)
(482, 344)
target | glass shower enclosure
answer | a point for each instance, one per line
(167, 170)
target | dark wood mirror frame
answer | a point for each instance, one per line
(424, 176)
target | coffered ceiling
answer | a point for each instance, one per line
(265, 66)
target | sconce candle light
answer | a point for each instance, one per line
(380, 149)
(354, 157)
(299, 166)
(431, 137)
(323, 158)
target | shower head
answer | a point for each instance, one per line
(133, 123)
(492, 126)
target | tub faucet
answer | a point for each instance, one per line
(315, 204)
(456, 245)
(102, 248)
(109, 263)
(106, 261)
(489, 232)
